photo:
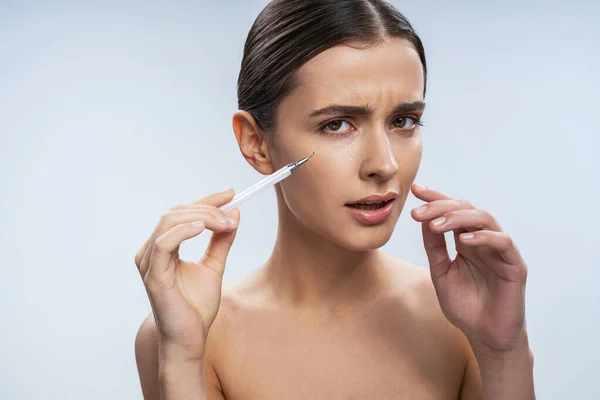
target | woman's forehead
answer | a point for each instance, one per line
(391, 69)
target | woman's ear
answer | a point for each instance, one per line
(253, 143)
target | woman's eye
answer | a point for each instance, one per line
(337, 126)
(405, 122)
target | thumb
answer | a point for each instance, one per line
(216, 253)
(437, 252)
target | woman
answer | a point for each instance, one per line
(329, 315)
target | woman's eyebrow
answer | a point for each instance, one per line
(409, 107)
(365, 110)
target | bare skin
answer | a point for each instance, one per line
(329, 315)
(396, 345)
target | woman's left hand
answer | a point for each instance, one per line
(481, 291)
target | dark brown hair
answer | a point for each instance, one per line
(288, 33)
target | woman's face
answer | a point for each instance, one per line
(357, 109)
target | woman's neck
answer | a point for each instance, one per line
(308, 272)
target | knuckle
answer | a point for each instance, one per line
(506, 238)
(486, 214)
(138, 258)
(465, 203)
(160, 244)
(165, 221)
(522, 272)
(221, 213)
(164, 218)
(450, 215)
(215, 213)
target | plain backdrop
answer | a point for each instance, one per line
(112, 112)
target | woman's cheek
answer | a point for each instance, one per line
(408, 156)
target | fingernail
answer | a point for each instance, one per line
(224, 190)
(232, 222)
(222, 219)
(421, 186)
(467, 236)
(420, 210)
(439, 221)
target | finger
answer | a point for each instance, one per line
(464, 220)
(217, 199)
(147, 253)
(437, 252)
(212, 221)
(167, 244)
(437, 208)
(498, 241)
(188, 214)
(139, 256)
(218, 248)
(216, 221)
(428, 194)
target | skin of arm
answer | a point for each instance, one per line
(165, 377)
(506, 375)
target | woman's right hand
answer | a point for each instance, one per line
(184, 295)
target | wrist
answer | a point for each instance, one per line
(489, 353)
(505, 362)
(506, 373)
(174, 353)
(175, 366)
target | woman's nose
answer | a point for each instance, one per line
(379, 161)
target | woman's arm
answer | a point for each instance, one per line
(507, 375)
(164, 377)
(499, 376)
(470, 388)
(184, 295)
(146, 356)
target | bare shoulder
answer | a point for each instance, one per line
(411, 283)
(411, 292)
(237, 299)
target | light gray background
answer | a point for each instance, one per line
(112, 112)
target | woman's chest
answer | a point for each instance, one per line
(283, 361)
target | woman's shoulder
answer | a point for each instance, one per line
(411, 292)
(408, 281)
(409, 287)
(238, 298)
(243, 302)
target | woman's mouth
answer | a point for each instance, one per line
(370, 205)
(372, 213)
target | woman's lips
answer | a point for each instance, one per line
(373, 217)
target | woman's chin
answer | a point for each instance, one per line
(365, 241)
